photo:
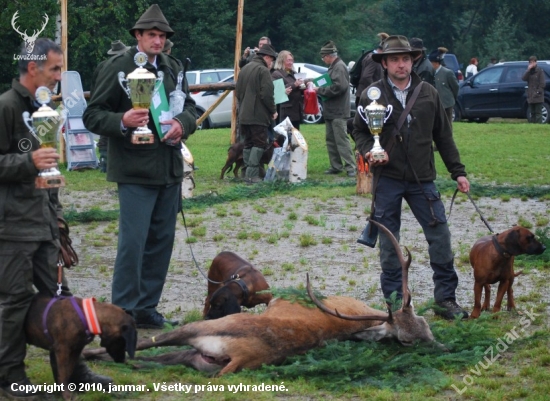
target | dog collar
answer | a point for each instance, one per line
(503, 252)
(91, 316)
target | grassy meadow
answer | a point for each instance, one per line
(504, 357)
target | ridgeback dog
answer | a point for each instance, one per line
(63, 331)
(492, 258)
(236, 284)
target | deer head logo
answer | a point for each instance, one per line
(29, 40)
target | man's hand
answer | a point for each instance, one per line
(175, 132)
(246, 52)
(373, 163)
(134, 118)
(45, 158)
(463, 184)
(274, 117)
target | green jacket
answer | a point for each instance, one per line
(428, 124)
(447, 86)
(337, 98)
(255, 93)
(154, 164)
(26, 213)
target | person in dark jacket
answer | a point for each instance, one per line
(445, 81)
(255, 94)
(371, 71)
(148, 175)
(421, 65)
(29, 233)
(284, 69)
(408, 169)
(536, 82)
(336, 111)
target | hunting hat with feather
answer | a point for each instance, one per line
(395, 44)
(117, 47)
(437, 55)
(382, 36)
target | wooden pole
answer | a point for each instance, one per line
(64, 41)
(238, 45)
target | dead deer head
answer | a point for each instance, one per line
(29, 40)
(403, 325)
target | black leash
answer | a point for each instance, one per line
(475, 206)
(193, 255)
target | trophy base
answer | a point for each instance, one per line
(378, 155)
(143, 138)
(54, 181)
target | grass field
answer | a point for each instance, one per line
(504, 358)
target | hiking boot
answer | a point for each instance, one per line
(448, 309)
(333, 171)
(253, 180)
(83, 374)
(17, 392)
(154, 321)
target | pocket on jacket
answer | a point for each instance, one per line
(177, 164)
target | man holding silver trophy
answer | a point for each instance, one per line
(29, 209)
(410, 120)
(130, 106)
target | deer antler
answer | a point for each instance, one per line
(404, 263)
(13, 19)
(34, 35)
(375, 316)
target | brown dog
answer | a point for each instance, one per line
(235, 156)
(239, 284)
(492, 258)
(67, 335)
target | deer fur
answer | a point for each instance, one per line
(247, 341)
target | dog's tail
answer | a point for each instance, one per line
(518, 273)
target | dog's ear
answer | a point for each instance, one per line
(231, 306)
(125, 342)
(512, 241)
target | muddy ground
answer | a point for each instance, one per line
(277, 230)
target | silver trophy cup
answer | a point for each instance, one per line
(141, 86)
(44, 125)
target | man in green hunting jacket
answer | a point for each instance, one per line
(257, 109)
(336, 111)
(148, 175)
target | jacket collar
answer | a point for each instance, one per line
(18, 87)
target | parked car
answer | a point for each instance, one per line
(499, 91)
(451, 62)
(221, 116)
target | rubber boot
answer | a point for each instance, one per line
(253, 168)
(246, 158)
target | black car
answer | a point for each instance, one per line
(499, 91)
(451, 62)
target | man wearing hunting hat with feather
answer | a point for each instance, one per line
(445, 81)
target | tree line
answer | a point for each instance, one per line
(206, 29)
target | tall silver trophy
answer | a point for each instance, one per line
(375, 114)
(44, 124)
(141, 86)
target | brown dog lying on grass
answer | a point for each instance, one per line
(235, 157)
(238, 285)
(67, 335)
(492, 258)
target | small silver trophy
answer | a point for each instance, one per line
(141, 86)
(375, 119)
(44, 124)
